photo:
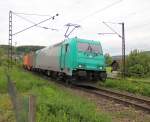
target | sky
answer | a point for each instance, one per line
(89, 14)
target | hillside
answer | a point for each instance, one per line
(26, 49)
(21, 49)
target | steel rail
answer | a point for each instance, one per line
(128, 96)
(128, 100)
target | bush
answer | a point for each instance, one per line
(108, 59)
(138, 64)
(130, 86)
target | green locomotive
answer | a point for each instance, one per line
(73, 58)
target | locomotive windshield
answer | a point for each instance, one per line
(86, 47)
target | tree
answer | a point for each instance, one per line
(108, 59)
(138, 64)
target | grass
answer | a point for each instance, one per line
(108, 69)
(3, 83)
(130, 86)
(52, 103)
(144, 80)
(6, 113)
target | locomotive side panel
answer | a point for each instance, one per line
(48, 59)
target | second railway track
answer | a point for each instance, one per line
(123, 98)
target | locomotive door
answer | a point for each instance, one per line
(63, 56)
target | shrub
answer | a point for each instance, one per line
(108, 59)
(138, 64)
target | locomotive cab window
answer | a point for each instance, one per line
(87, 47)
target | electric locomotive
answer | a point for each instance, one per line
(72, 58)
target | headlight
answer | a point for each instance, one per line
(100, 67)
(80, 66)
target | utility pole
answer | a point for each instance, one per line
(123, 51)
(10, 41)
(10, 45)
(122, 36)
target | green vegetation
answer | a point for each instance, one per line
(20, 49)
(138, 64)
(130, 86)
(143, 80)
(53, 104)
(108, 69)
(108, 59)
(27, 49)
(2, 56)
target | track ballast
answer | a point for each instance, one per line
(123, 98)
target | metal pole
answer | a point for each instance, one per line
(10, 41)
(123, 70)
(123, 51)
(32, 108)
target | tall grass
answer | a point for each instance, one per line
(3, 81)
(52, 103)
(57, 105)
(130, 86)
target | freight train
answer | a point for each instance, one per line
(73, 58)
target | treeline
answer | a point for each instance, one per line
(18, 52)
(21, 49)
(3, 56)
(27, 49)
(137, 63)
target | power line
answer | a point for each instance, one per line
(35, 25)
(112, 28)
(33, 22)
(100, 10)
(32, 14)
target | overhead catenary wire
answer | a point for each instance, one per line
(113, 29)
(130, 15)
(33, 22)
(84, 18)
(35, 25)
(32, 14)
(100, 10)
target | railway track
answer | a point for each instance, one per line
(123, 98)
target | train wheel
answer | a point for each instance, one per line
(48, 73)
(68, 80)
